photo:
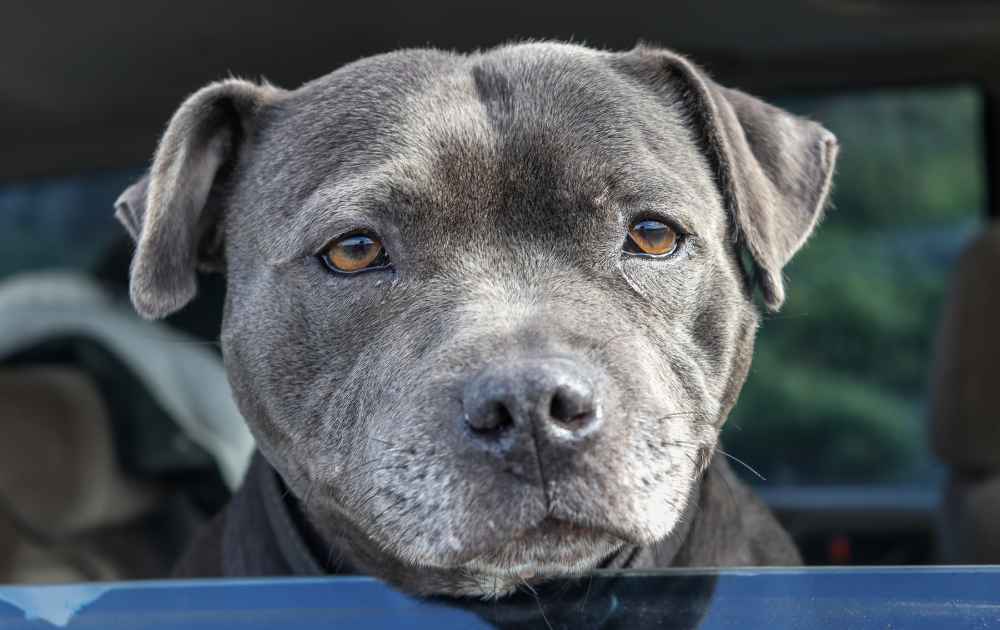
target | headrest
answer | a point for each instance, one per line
(965, 381)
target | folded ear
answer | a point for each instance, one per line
(173, 212)
(773, 168)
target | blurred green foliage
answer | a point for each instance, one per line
(838, 389)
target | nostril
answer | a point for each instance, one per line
(570, 408)
(512, 403)
(493, 420)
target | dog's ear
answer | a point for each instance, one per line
(773, 168)
(173, 213)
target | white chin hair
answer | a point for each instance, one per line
(524, 561)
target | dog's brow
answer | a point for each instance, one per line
(661, 197)
(328, 212)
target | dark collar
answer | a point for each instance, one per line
(265, 533)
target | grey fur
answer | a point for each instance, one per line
(502, 184)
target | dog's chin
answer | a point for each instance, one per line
(494, 562)
(552, 548)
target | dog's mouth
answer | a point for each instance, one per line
(552, 548)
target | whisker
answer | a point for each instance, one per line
(691, 459)
(288, 487)
(684, 443)
(742, 463)
(721, 452)
(586, 595)
(538, 600)
(677, 414)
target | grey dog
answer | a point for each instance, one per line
(501, 380)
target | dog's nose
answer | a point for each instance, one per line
(555, 396)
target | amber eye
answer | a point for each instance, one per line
(651, 238)
(354, 253)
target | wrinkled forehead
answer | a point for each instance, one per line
(508, 140)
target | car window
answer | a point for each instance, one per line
(838, 388)
(64, 222)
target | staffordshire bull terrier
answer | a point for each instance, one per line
(486, 314)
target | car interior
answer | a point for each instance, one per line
(868, 423)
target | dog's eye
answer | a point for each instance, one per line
(651, 238)
(354, 253)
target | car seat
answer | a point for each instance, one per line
(120, 436)
(965, 405)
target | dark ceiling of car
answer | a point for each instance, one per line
(91, 85)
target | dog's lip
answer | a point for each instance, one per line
(552, 526)
(570, 526)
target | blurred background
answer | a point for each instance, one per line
(868, 414)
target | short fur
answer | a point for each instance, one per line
(502, 184)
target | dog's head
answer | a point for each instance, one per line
(489, 312)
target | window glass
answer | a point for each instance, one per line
(59, 222)
(838, 388)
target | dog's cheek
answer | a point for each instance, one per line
(722, 332)
(286, 342)
(666, 369)
(666, 439)
(705, 357)
(385, 436)
(703, 320)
